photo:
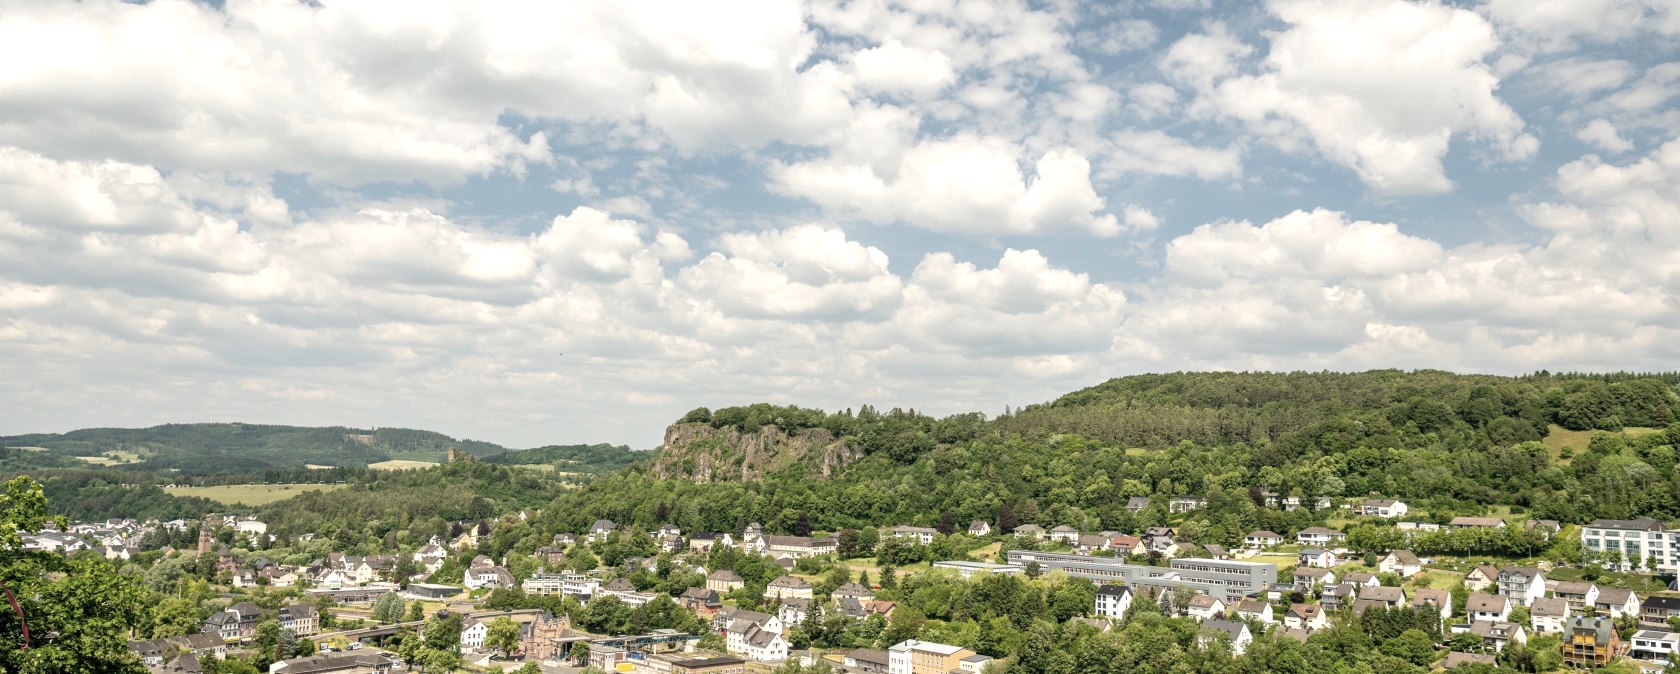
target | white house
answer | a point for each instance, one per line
(1402, 563)
(1261, 539)
(1522, 584)
(1113, 601)
(1064, 534)
(784, 587)
(921, 535)
(1482, 607)
(1204, 607)
(1236, 630)
(1304, 617)
(1655, 645)
(1547, 615)
(1316, 557)
(979, 528)
(1381, 507)
(1319, 537)
(1253, 609)
(472, 634)
(1616, 602)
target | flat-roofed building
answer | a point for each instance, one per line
(1227, 580)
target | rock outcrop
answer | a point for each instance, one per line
(699, 452)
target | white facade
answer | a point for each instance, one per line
(1634, 542)
(472, 636)
(1113, 601)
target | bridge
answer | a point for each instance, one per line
(379, 633)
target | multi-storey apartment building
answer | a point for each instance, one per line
(1227, 580)
(1635, 543)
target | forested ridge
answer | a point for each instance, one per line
(233, 448)
(1453, 444)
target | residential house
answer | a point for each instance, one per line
(1217, 551)
(1308, 576)
(865, 661)
(1204, 607)
(1136, 504)
(543, 584)
(1304, 617)
(1522, 584)
(1402, 563)
(1362, 579)
(1113, 601)
(1497, 635)
(793, 610)
(152, 651)
(703, 602)
(1236, 631)
(334, 663)
(853, 590)
(1090, 543)
(748, 633)
(1550, 527)
(473, 633)
(1380, 596)
(763, 645)
(1124, 545)
(1616, 602)
(1316, 557)
(1483, 607)
(1481, 578)
(204, 646)
(799, 547)
(1253, 609)
(1032, 531)
(784, 587)
(979, 528)
(724, 581)
(1655, 645)
(1476, 523)
(921, 535)
(1064, 534)
(489, 578)
(1547, 615)
(925, 657)
(1579, 595)
(1428, 597)
(1260, 538)
(1590, 641)
(1319, 537)
(1380, 507)
(1184, 504)
(238, 622)
(600, 529)
(702, 543)
(300, 619)
(1656, 610)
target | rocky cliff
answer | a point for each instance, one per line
(699, 452)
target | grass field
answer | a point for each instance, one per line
(1277, 560)
(401, 464)
(1558, 437)
(250, 494)
(1435, 578)
(112, 458)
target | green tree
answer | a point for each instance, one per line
(443, 633)
(503, 636)
(175, 617)
(416, 612)
(77, 622)
(580, 653)
(388, 608)
(1412, 646)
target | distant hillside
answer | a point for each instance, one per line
(233, 448)
(1452, 444)
(584, 459)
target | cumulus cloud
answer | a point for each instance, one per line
(966, 184)
(1379, 86)
(1554, 25)
(1602, 134)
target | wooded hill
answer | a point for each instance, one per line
(233, 448)
(1453, 444)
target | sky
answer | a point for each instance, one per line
(553, 222)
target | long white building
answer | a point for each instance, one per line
(1637, 540)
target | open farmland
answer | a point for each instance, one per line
(250, 494)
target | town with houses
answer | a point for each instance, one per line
(1290, 583)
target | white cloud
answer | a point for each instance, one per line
(1198, 59)
(898, 69)
(1317, 244)
(1555, 25)
(1156, 153)
(1379, 86)
(965, 184)
(807, 272)
(1602, 134)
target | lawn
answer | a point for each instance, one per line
(1280, 561)
(1435, 578)
(401, 464)
(986, 553)
(112, 458)
(250, 494)
(1638, 582)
